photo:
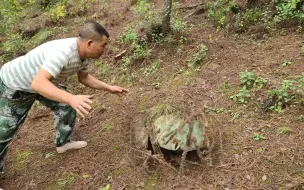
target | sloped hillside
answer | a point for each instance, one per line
(240, 65)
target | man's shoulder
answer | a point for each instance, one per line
(67, 44)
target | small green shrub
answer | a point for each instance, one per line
(126, 61)
(250, 80)
(139, 46)
(282, 96)
(178, 25)
(242, 96)
(57, 13)
(302, 48)
(219, 10)
(13, 46)
(180, 30)
(286, 63)
(152, 69)
(20, 159)
(140, 49)
(107, 187)
(45, 4)
(68, 179)
(10, 11)
(199, 56)
(143, 9)
(251, 17)
(39, 38)
(289, 10)
(284, 130)
(301, 81)
(128, 36)
(80, 7)
(258, 137)
(103, 69)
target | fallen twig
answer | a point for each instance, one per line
(191, 6)
(198, 11)
(118, 56)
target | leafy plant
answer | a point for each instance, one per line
(178, 25)
(301, 81)
(284, 130)
(58, 12)
(85, 176)
(10, 11)
(140, 49)
(302, 48)
(126, 64)
(67, 179)
(241, 96)
(104, 69)
(288, 10)
(143, 9)
(106, 126)
(252, 16)
(236, 115)
(39, 38)
(219, 10)
(199, 56)
(260, 150)
(180, 30)
(20, 159)
(128, 36)
(286, 63)
(152, 69)
(250, 80)
(107, 187)
(282, 96)
(126, 61)
(13, 46)
(258, 137)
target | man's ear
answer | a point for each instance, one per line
(89, 44)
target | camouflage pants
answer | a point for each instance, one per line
(14, 107)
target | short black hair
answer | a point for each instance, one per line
(93, 30)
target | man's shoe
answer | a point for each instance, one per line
(71, 145)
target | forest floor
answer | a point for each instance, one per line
(240, 161)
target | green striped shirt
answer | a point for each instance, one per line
(59, 57)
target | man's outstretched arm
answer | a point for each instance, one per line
(42, 85)
(92, 82)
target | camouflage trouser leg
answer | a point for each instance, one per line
(64, 119)
(14, 107)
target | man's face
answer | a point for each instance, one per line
(97, 47)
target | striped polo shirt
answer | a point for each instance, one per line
(59, 57)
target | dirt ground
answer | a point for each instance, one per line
(111, 157)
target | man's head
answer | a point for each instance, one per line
(93, 39)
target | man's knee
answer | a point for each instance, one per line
(8, 127)
(66, 115)
(67, 110)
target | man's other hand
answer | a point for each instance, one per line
(81, 103)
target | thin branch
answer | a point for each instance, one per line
(155, 158)
(191, 6)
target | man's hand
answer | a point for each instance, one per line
(117, 89)
(81, 103)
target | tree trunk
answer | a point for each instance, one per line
(166, 27)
